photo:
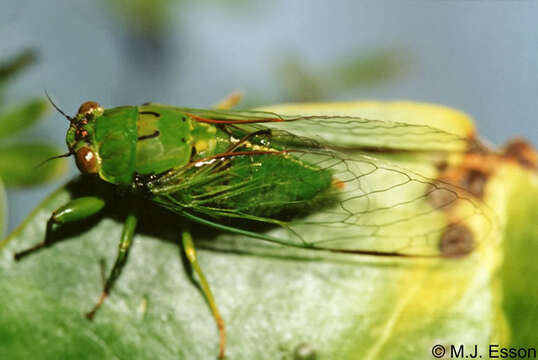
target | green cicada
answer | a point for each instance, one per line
(325, 175)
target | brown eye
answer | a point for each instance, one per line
(90, 107)
(86, 160)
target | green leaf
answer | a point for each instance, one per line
(276, 301)
(302, 82)
(20, 164)
(299, 81)
(3, 209)
(520, 266)
(365, 69)
(16, 64)
(149, 16)
(21, 117)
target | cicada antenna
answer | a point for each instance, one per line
(67, 154)
(57, 108)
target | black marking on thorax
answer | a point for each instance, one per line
(150, 136)
(156, 114)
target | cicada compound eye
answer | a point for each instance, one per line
(90, 107)
(86, 160)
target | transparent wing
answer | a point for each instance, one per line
(347, 132)
(380, 203)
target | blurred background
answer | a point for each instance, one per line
(477, 56)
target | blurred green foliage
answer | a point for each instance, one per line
(146, 20)
(3, 210)
(20, 164)
(301, 82)
(19, 158)
(150, 17)
(15, 65)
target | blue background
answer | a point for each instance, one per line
(478, 56)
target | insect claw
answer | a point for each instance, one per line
(21, 254)
(91, 314)
(222, 335)
(47, 242)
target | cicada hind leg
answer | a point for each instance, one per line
(190, 253)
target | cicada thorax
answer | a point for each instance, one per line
(147, 141)
(168, 139)
(115, 138)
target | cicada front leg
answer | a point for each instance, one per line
(75, 210)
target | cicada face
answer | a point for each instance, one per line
(80, 137)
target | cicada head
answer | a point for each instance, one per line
(80, 137)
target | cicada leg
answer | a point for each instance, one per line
(190, 253)
(123, 251)
(75, 210)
